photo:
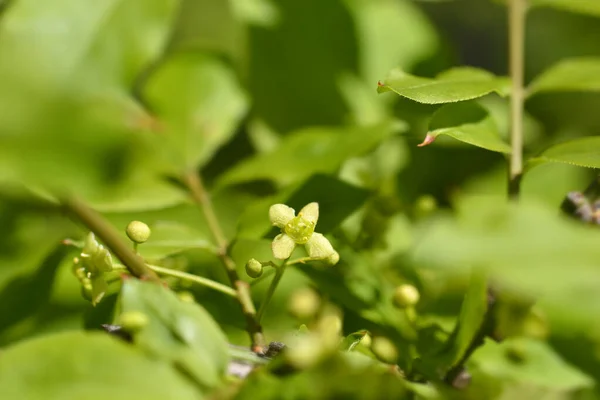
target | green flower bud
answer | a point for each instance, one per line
(384, 350)
(305, 351)
(366, 341)
(138, 232)
(405, 296)
(304, 304)
(133, 321)
(425, 206)
(90, 245)
(254, 268)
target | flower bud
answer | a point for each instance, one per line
(366, 341)
(254, 268)
(384, 350)
(133, 321)
(138, 232)
(425, 206)
(405, 296)
(304, 351)
(304, 303)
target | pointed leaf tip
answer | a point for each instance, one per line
(429, 138)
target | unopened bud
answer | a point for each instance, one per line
(384, 350)
(304, 303)
(138, 232)
(133, 321)
(254, 268)
(405, 296)
(425, 206)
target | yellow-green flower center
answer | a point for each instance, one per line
(299, 229)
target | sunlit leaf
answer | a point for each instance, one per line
(457, 84)
(583, 152)
(469, 123)
(306, 152)
(589, 7)
(529, 361)
(199, 104)
(181, 332)
(579, 74)
(94, 366)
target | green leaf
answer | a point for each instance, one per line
(581, 152)
(578, 74)
(200, 104)
(524, 360)
(379, 24)
(589, 7)
(457, 84)
(306, 152)
(181, 332)
(169, 238)
(468, 123)
(95, 366)
(470, 321)
(527, 248)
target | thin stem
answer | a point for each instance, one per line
(194, 183)
(516, 25)
(262, 277)
(274, 283)
(192, 278)
(110, 237)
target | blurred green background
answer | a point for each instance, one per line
(270, 100)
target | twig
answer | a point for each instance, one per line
(517, 10)
(198, 192)
(192, 278)
(276, 279)
(110, 237)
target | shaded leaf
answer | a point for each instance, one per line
(183, 333)
(579, 74)
(306, 152)
(468, 123)
(588, 7)
(95, 366)
(582, 152)
(526, 360)
(200, 105)
(457, 84)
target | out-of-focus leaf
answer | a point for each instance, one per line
(200, 105)
(581, 152)
(362, 380)
(257, 12)
(527, 248)
(468, 123)
(169, 238)
(181, 332)
(289, 88)
(95, 366)
(589, 7)
(457, 84)
(525, 360)
(307, 152)
(66, 70)
(390, 34)
(579, 74)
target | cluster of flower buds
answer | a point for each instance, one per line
(89, 268)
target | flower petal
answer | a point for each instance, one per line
(319, 247)
(280, 214)
(283, 246)
(310, 212)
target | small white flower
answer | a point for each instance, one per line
(297, 230)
